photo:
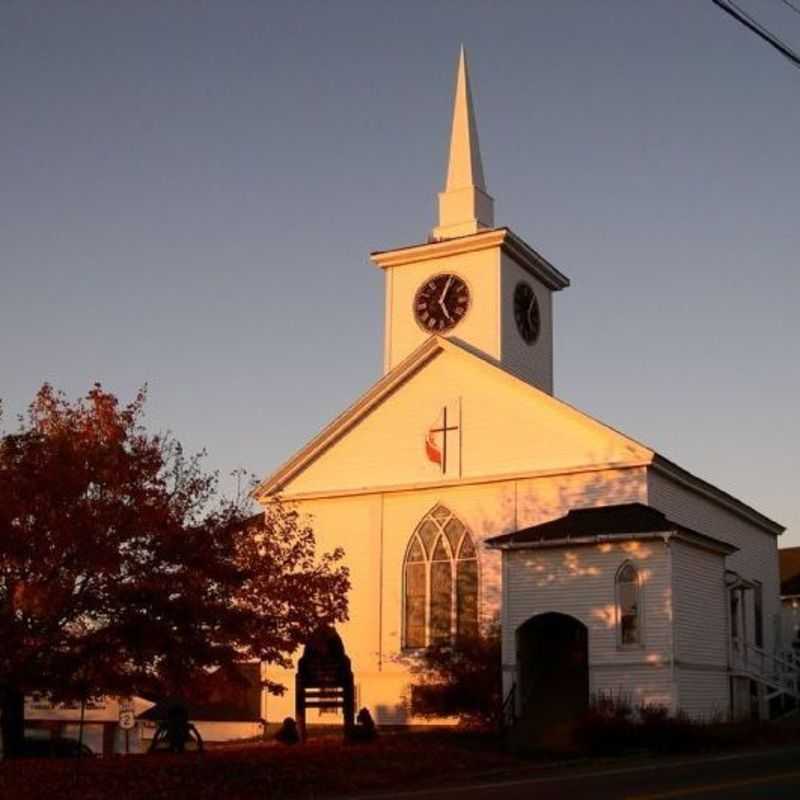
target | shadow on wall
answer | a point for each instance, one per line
(540, 500)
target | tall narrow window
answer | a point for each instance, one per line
(734, 609)
(628, 605)
(415, 595)
(441, 594)
(441, 582)
(466, 591)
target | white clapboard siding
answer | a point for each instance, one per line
(642, 685)
(701, 631)
(703, 694)
(757, 557)
(701, 623)
(580, 581)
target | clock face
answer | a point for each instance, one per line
(441, 302)
(526, 312)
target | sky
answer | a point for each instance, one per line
(189, 192)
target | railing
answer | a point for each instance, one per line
(781, 672)
(508, 712)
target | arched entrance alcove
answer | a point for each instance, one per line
(552, 671)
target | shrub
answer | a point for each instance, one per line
(607, 727)
(612, 725)
(461, 680)
(661, 733)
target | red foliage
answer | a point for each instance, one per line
(122, 567)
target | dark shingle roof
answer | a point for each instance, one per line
(601, 521)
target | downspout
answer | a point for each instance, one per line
(380, 585)
(505, 632)
(673, 638)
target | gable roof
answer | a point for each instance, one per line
(429, 350)
(426, 353)
(789, 560)
(628, 519)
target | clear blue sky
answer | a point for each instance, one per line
(189, 192)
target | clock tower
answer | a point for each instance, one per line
(472, 281)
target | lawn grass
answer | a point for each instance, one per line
(323, 767)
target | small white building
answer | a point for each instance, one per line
(622, 601)
(106, 725)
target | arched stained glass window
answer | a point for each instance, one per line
(415, 595)
(441, 581)
(629, 605)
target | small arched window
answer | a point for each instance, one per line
(441, 582)
(629, 605)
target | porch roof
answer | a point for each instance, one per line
(588, 524)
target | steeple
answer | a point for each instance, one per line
(464, 205)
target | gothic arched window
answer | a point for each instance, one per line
(629, 605)
(441, 581)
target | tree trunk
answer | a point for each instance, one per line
(12, 721)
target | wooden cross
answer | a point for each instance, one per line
(444, 430)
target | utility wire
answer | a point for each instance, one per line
(790, 4)
(741, 16)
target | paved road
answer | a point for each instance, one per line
(774, 775)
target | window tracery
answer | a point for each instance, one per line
(441, 582)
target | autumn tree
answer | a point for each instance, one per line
(124, 569)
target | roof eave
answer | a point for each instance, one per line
(497, 543)
(696, 539)
(678, 473)
(511, 244)
(335, 429)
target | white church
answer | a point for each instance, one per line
(464, 491)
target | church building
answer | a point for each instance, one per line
(463, 491)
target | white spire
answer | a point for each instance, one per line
(464, 205)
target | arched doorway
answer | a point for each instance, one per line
(552, 672)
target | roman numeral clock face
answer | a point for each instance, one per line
(441, 302)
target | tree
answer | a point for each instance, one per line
(123, 569)
(461, 679)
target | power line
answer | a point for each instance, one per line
(741, 16)
(790, 4)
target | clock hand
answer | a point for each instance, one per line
(443, 295)
(530, 308)
(446, 288)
